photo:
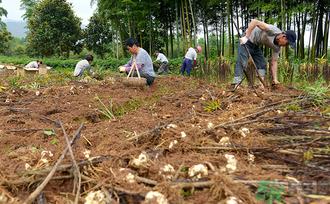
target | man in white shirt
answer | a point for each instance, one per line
(34, 64)
(163, 69)
(190, 60)
(82, 65)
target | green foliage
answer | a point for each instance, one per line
(49, 132)
(269, 192)
(53, 29)
(5, 37)
(98, 35)
(212, 105)
(308, 155)
(293, 107)
(28, 6)
(127, 107)
(107, 111)
(14, 82)
(111, 64)
(186, 192)
(54, 141)
(317, 92)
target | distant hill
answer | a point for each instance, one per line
(17, 28)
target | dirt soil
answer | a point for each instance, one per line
(179, 122)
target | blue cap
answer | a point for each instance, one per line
(291, 36)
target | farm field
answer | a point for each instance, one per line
(188, 140)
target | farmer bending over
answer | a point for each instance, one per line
(34, 64)
(142, 60)
(190, 60)
(163, 69)
(257, 34)
(82, 65)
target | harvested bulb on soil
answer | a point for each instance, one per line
(172, 126)
(198, 171)
(154, 197)
(225, 141)
(130, 178)
(172, 144)
(95, 197)
(231, 163)
(142, 160)
(244, 131)
(183, 135)
(167, 171)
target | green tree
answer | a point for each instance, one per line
(5, 36)
(98, 35)
(28, 6)
(53, 29)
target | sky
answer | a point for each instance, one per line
(81, 8)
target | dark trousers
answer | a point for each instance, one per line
(243, 57)
(186, 66)
(163, 69)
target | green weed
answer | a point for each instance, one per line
(212, 105)
(107, 111)
(293, 107)
(14, 82)
(269, 192)
(317, 93)
(127, 107)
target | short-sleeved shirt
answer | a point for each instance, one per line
(260, 37)
(80, 67)
(33, 64)
(191, 54)
(161, 57)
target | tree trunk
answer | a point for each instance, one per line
(177, 13)
(229, 27)
(194, 24)
(326, 35)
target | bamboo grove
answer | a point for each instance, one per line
(176, 24)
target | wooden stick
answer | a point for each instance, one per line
(66, 167)
(38, 190)
(77, 171)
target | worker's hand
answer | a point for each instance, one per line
(122, 69)
(243, 40)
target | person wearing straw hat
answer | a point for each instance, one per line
(190, 60)
(142, 60)
(257, 34)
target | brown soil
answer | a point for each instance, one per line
(146, 115)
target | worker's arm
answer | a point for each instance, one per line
(126, 67)
(254, 23)
(262, 25)
(273, 69)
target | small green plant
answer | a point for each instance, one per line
(184, 169)
(127, 107)
(308, 155)
(186, 192)
(212, 105)
(107, 111)
(49, 132)
(269, 192)
(293, 107)
(317, 93)
(54, 141)
(34, 85)
(14, 82)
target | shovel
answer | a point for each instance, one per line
(130, 80)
